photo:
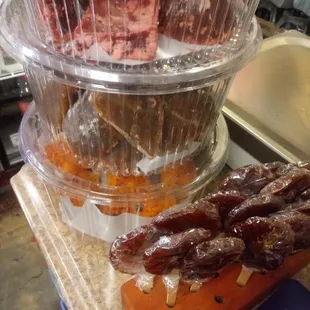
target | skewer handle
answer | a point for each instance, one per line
(244, 276)
(145, 282)
(171, 282)
(147, 288)
(171, 297)
(195, 287)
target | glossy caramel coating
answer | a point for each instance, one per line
(168, 252)
(200, 214)
(267, 242)
(206, 259)
(259, 205)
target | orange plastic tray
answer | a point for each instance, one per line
(223, 288)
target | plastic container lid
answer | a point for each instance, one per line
(192, 69)
(33, 133)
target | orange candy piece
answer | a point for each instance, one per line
(154, 206)
(128, 184)
(60, 154)
(150, 208)
(76, 202)
(179, 174)
(117, 209)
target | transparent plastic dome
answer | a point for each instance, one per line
(32, 42)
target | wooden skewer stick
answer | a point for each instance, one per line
(171, 297)
(244, 276)
(195, 287)
(145, 282)
(172, 284)
(147, 288)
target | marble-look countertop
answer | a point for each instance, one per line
(83, 274)
(25, 281)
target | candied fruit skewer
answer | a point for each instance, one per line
(237, 186)
(290, 185)
(291, 166)
(300, 206)
(205, 260)
(299, 222)
(250, 179)
(259, 205)
(267, 243)
(200, 214)
(226, 201)
(127, 250)
(168, 252)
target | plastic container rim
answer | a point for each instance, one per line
(76, 73)
(82, 189)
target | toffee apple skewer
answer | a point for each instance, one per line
(126, 253)
(285, 181)
(165, 257)
(267, 244)
(204, 261)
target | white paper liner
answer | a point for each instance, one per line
(89, 220)
(147, 165)
(167, 48)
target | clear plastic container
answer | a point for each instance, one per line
(124, 120)
(129, 134)
(140, 132)
(133, 31)
(107, 205)
(185, 68)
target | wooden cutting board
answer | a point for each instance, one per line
(221, 293)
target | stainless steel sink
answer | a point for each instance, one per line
(268, 106)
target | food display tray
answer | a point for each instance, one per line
(218, 294)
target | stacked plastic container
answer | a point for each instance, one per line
(128, 94)
(126, 121)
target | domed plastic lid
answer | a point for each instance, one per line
(182, 180)
(89, 53)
